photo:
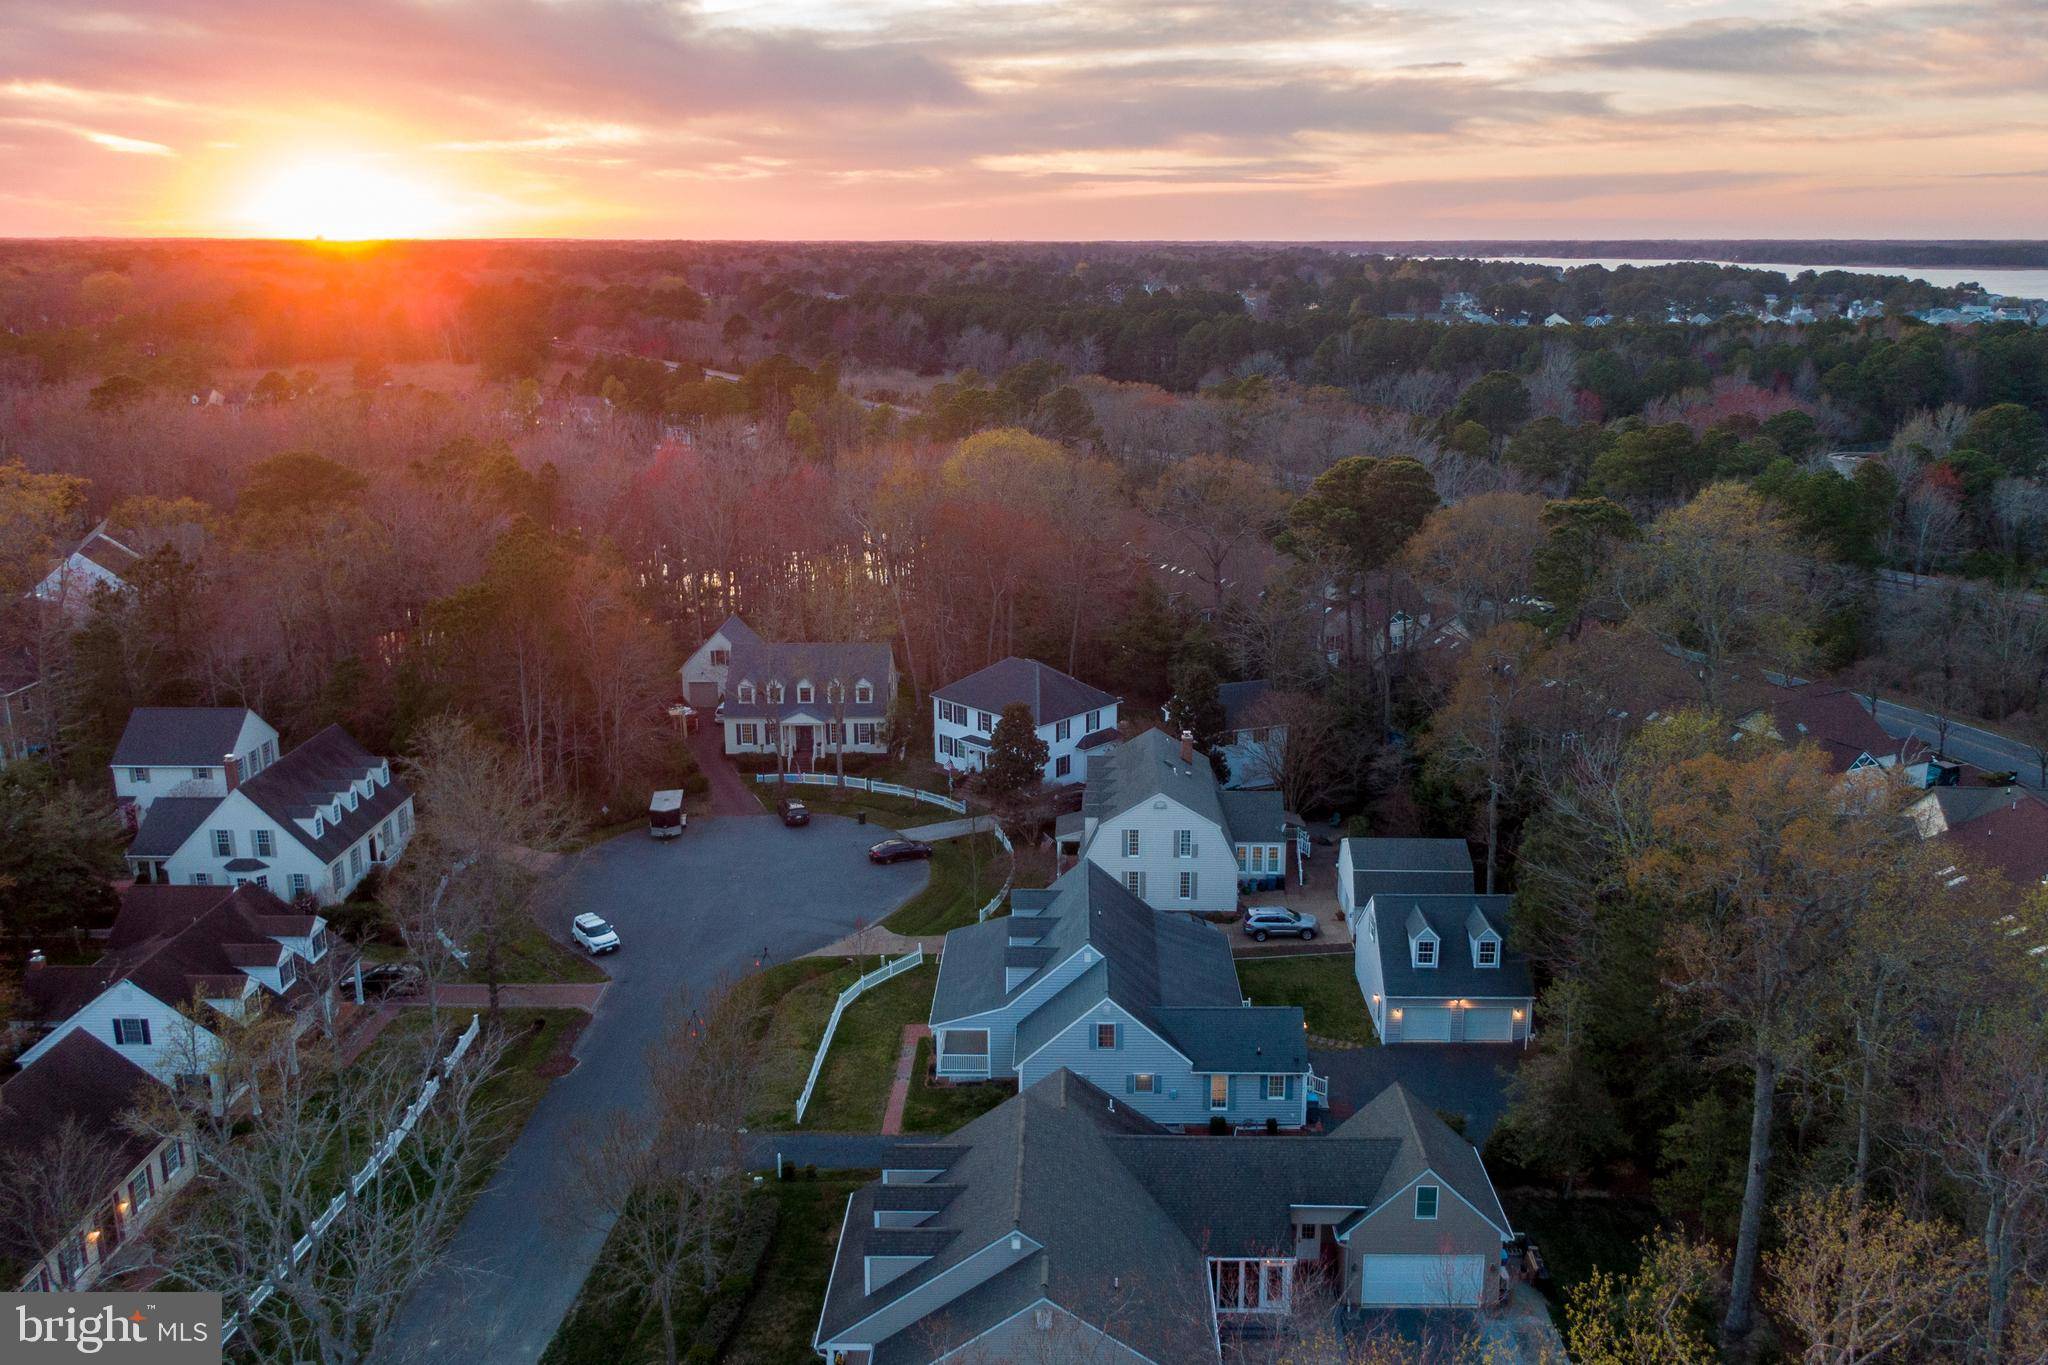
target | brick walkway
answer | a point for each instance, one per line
(899, 1088)
(544, 995)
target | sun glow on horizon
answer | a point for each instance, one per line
(343, 199)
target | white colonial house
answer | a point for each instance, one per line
(1076, 721)
(807, 701)
(1086, 976)
(171, 946)
(1157, 820)
(100, 561)
(187, 751)
(313, 822)
(1438, 969)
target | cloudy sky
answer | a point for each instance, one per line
(1024, 118)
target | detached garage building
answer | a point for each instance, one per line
(1437, 969)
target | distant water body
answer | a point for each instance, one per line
(2018, 284)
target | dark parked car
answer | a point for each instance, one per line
(1264, 921)
(792, 811)
(389, 979)
(896, 850)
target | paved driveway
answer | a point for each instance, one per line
(1458, 1078)
(690, 911)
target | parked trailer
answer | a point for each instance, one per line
(665, 817)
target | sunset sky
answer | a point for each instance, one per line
(1022, 119)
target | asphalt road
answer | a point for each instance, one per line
(1982, 748)
(690, 912)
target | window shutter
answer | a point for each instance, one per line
(1130, 1084)
(1292, 1081)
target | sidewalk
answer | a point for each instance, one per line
(899, 1088)
(881, 942)
(952, 829)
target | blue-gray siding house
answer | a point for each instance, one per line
(1085, 976)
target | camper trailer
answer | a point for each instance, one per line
(665, 818)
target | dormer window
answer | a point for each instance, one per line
(1425, 952)
(863, 692)
(805, 693)
(286, 972)
(775, 693)
(351, 798)
(318, 825)
(1487, 953)
(746, 694)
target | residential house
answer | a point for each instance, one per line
(2002, 829)
(1832, 719)
(1062, 1226)
(24, 712)
(1085, 976)
(1075, 720)
(1370, 867)
(1254, 749)
(1155, 817)
(99, 561)
(73, 1099)
(186, 751)
(804, 701)
(171, 948)
(1438, 969)
(314, 822)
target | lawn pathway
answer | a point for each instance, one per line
(899, 1088)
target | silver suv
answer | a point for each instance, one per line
(1264, 921)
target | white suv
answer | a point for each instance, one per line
(595, 934)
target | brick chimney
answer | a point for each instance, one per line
(1187, 747)
(232, 767)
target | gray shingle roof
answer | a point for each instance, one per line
(1416, 867)
(1119, 1205)
(1051, 694)
(1171, 972)
(1238, 699)
(1253, 817)
(762, 662)
(83, 1079)
(169, 822)
(1456, 974)
(307, 780)
(179, 736)
(1146, 766)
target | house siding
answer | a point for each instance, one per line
(1002, 1023)
(1056, 748)
(1392, 1032)
(243, 818)
(161, 1056)
(177, 780)
(132, 1223)
(1181, 1096)
(1156, 820)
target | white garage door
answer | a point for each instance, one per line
(1489, 1025)
(1426, 1024)
(1422, 1280)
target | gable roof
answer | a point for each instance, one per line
(179, 736)
(1113, 1200)
(1172, 973)
(306, 781)
(1149, 765)
(169, 823)
(107, 552)
(2001, 828)
(1408, 867)
(1832, 718)
(169, 941)
(789, 662)
(1051, 694)
(1449, 918)
(83, 1079)
(737, 632)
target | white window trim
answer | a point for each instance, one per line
(1436, 1203)
(1214, 1107)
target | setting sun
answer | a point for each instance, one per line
(344, 200)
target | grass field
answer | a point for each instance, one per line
(1323, 986)
(965, 873)
(853, 1086)
(942, 1108)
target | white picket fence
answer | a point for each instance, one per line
(862, 784)
(911, 959)
(385, 1150)
(996, 902)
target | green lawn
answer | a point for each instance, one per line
(533, 955)
(942, 1108)
(964, 874)
(611, 1325)
(853, 1087)
(1323, 986)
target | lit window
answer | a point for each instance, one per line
(1144, 1083)
(1219, 1092)
(1105, 1036)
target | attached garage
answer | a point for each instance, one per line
(1490, 1025)
(702, 695)
(1426, 1024)
(1421, 1281)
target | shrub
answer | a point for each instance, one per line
(1272, 1125)
(1217, 1127)
(722, 1314)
